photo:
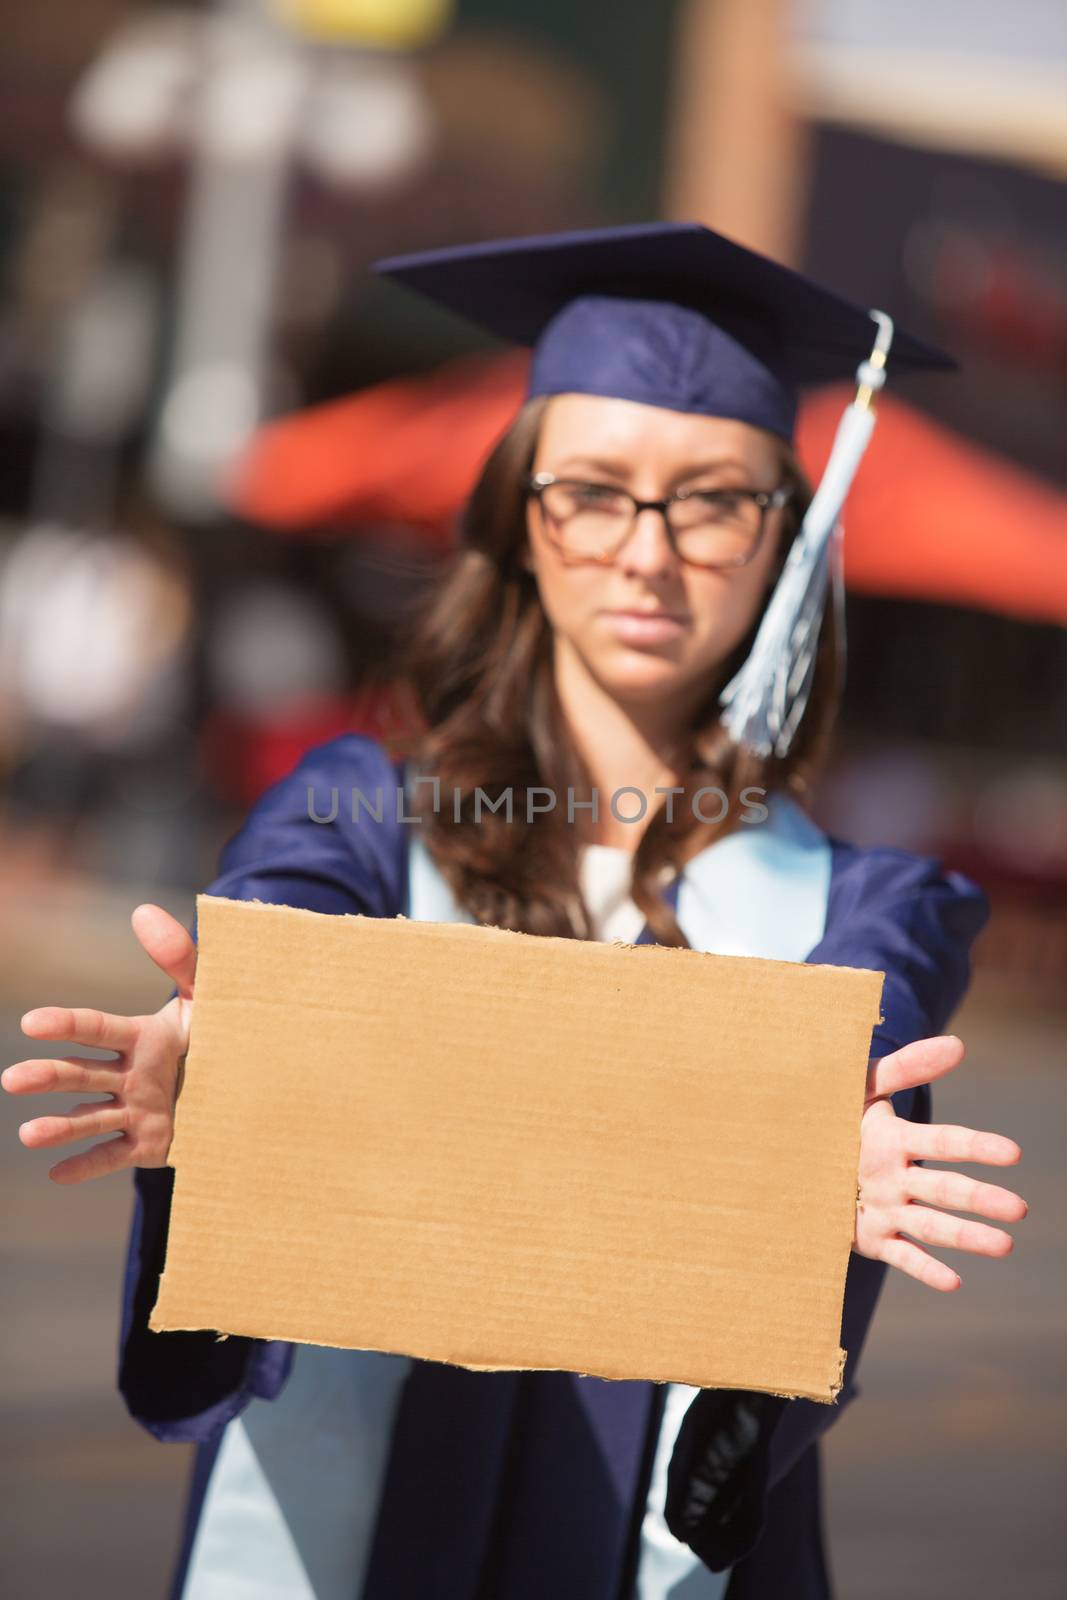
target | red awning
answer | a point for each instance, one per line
(930, 517)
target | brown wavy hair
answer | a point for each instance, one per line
(478, 659)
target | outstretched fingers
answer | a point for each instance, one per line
(943, 1141)
(170, 945)
(919, 1263)
(913, 1064)
(109, 1156)
(43, 1075)
(82, 1122)
(939, 1228)
(81, 1025)
(960, 1193)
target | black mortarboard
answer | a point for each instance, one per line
(667, 313)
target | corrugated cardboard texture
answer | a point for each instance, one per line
(503, 1151)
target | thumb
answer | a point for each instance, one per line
(919, 1062)
(169, 944)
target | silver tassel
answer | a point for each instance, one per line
(767, 697)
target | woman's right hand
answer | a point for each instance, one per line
(142, 1082)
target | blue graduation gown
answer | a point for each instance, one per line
(514, 1486)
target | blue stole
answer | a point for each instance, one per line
(378, 1477)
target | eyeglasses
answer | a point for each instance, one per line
(706, 527)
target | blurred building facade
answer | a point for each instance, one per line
(189, 199)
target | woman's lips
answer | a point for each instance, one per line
(644, 627)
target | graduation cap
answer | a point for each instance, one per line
(672, 314)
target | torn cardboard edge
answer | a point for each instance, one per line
(627, 1209)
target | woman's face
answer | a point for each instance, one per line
(702, 614)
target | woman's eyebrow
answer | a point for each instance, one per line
(717, 464)
(621, 468)
(602, 463)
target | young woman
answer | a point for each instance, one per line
(617, 559)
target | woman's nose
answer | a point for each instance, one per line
(648, 550)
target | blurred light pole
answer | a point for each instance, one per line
(251, 90)
(737, 151)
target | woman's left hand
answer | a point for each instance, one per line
(897, 1197)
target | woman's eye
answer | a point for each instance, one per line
(595, 494)
(723, 502)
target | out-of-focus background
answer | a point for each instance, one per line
(224, 474)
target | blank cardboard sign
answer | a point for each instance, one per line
(504, 1151)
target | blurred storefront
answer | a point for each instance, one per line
(189, 198)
